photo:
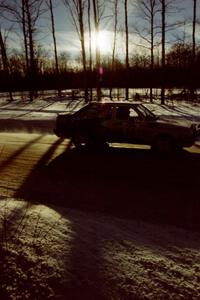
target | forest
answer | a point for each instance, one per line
(166, 54)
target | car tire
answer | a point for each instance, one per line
(164, 145)
(80, 139)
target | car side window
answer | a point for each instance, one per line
(133, 113)
(122, 113)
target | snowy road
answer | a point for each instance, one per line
(95, 255)
(123, 181)
(20, 154)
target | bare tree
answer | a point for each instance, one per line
(194, 30)
(3, 50)
(127, 43)
(96, 13)
(167, 6)
(30, 12)
(89, 40)
(30, 30)
(89, 34)
(194, 20)
(77, 11)
(148, 11)
(180, 55)
(25, 33)
(25, 13)
(115, 3)
(115, 7)
(5, 62)
(50, 7)
(163, 29)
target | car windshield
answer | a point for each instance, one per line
(142, 110)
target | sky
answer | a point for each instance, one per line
(67, 38)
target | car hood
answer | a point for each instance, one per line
(64, 114)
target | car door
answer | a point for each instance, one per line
(118, 124)
(140, 129)
(137, 127)
(131, 133)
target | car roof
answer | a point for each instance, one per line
(124, 103)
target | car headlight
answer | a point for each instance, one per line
(196, 128)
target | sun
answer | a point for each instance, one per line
(102, 40)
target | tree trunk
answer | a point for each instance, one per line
(152, 46)
(96, 26)
(90, 35)
(192, 89)
(114, 40)
(127, 47)
(54, 42)
(25, 35)
(32, 67)
(163, 51)
(82, 38)
(149, 10)
(90, 43)
(5, 61)
(194, 31)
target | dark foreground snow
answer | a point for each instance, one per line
(56, 253)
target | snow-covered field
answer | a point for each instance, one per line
(49, 252)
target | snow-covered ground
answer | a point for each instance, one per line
(49, 252)
(45, 108)
(56, 253)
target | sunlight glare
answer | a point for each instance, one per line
(103, 41)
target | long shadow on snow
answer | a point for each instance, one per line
(125, 182)
(35, 125)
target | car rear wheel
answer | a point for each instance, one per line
(80, 139)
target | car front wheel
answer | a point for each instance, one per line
(164, 145)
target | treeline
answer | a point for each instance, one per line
(179, 72)
(159, 65)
